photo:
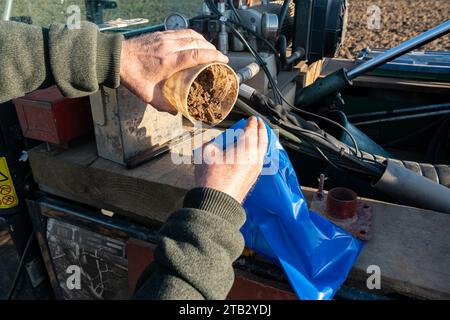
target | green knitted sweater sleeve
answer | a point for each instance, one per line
(196, 249)
(76, 60)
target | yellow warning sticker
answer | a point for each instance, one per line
(8, 196)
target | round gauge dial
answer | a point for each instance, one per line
(176, 21)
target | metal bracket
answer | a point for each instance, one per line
(358, 224)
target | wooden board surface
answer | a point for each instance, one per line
(411, 246)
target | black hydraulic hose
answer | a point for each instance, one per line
(339, 155)
(212, 7)
(411, 189)
(372, 166)
(439, 140)
(413, 134)
(257, 57)
(283, 14)
(372, 169)
(236, 13)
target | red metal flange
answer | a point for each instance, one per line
(342, 207)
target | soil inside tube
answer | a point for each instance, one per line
(209, 91)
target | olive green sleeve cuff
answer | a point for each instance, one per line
(83, 58)
(196, 249)
(109, 49)
(24, 59)
(217, 203)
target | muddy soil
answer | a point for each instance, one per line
(399, 21)
(210, 93)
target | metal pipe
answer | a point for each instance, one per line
(431, 107)
(400, 50)
(409, 188)
(222, 45)
(248, 72)
(400, 118)
(341, 204)
(7, 10)
(343, 78)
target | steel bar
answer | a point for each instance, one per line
(400, 118)
(400, 50)
(432, 107)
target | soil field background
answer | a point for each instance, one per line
(399, 19)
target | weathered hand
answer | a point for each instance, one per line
(235, 171)
(149, 60)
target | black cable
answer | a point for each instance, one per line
(365, 172)
(212, 7)
(283, 14)
(293, 127)
(279, 95)
(253, 32)
(311, 143)
(311, 114)
(277, 92)
(261, 63)
(19, 268)
(242, 26)
(373, 170)
(322, 154)
(257, 57)
(216, 11)
(439, 140)
(236, 13)
(336, 154)
(413, 134)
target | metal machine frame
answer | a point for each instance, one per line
(254, 277)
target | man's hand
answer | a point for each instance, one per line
(149, 60)
(236, 177)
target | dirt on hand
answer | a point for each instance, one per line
(211, 90)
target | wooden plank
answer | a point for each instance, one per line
(309, 73)
(151, 191)
(411, 246)
(105, 184)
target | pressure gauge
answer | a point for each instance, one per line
(176, 21)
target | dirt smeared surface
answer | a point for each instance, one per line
(211, 92)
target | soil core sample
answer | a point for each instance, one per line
(213, 88)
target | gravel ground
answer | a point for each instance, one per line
(400, 20)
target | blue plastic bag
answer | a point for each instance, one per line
(315, 254)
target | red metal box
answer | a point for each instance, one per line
(46, 115)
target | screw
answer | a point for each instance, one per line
(322, 180)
